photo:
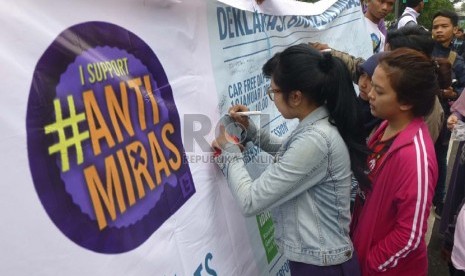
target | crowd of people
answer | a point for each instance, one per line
(351, 188)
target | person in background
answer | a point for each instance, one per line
(365, 72)
(390, 219)
(412, 11)
(413, 37)
(457, 44)
(457, 266)
(307, 187)
(370, 123)
(376, 11)
(454, 236)
(381, 24)
(444, 27)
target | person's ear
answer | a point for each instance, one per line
(387, 47)
(296, 97)
(405, 107)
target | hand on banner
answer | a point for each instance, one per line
(222, 139)
(243, 120)
(319, 46)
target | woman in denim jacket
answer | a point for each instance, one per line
(307, 188)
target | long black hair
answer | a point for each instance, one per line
(324, 79)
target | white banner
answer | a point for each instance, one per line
(107, 114)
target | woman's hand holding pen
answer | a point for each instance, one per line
(238, 118)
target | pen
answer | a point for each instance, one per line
(248, 113)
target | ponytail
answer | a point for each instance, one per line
(324, 79)
(345, 113)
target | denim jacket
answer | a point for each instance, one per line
(307, 190)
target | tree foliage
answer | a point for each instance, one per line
(431, 7)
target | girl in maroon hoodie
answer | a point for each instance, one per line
(390, 218)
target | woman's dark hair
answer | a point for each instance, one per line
(414, 77)
(324, 79)
(413, 37)
(444, 70)
(413, 3)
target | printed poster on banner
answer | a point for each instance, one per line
(104, 142)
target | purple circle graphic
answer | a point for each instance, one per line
(104, 142)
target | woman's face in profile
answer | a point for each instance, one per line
(383, 99)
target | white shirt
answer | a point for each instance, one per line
(377, 37)
(458, 251)
(410, 15)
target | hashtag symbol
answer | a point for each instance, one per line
(64, 143)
